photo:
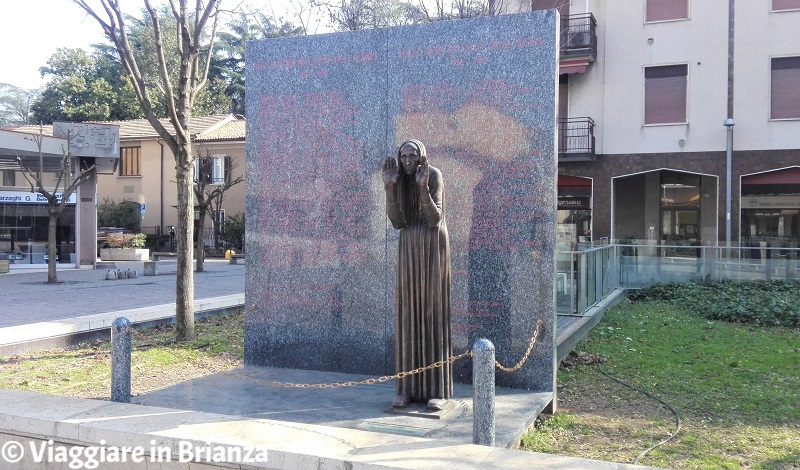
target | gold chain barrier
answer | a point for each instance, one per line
(527, 353)
(399, 375)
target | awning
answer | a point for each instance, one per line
(572, 66)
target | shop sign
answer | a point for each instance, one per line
(25, 197)
(572, 203)
(770, 202)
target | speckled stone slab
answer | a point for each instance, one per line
(322, 114)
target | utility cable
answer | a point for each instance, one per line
(655, 397)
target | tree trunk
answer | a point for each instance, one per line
(200, 249)
(52, 223)
(184, 292)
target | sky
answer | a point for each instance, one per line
(32, 30)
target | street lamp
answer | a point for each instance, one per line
(729, 124)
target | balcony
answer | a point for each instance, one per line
(576, 139)
(578, 37)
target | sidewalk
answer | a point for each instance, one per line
(80, 292)
(83, 305)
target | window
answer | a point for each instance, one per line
(213, 170)
(664, 10)
(9, 178)
(785, 88)
(778, 5)
(130, 161)
(665, 94)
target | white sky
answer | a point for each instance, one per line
(32, 30)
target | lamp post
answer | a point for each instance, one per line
(729, 124)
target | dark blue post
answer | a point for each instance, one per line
(483, 392)
(121, 360)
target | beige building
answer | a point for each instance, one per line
(646, 88)
(146, 171)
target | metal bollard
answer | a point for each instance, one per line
(121, 360)
(483, 392)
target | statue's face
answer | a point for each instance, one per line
(409, 159)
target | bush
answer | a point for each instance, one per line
(759, 302)
(125, 214)
(233, 234)
(126, 240)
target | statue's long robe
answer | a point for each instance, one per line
(422, 324)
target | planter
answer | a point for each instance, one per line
(124, 254)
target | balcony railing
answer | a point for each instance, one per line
(576, 139)
(578, 36)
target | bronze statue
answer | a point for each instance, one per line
(415, 206)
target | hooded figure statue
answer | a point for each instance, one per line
(415, 206)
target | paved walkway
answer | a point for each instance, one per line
(27, 298)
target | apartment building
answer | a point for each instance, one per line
(146, 171)
(651, 92)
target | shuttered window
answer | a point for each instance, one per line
(213, 170)
(130, 161)
(785, 5)
(665, 94)
(663, 10)
(785, 88)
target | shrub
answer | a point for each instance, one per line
(126, 240)
(124, 214)
(758, 302)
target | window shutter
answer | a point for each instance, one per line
(785, 5)
(227, 176)
(665, 94)
(662, 10)
(785, 88)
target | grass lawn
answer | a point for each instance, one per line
(736, 388)
(157, 361)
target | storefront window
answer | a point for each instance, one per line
(23, 233)
(680, 208)
(770, 206)
(574, 212)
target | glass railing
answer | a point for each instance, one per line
(584, 278)
(587, 275)
(642, 265)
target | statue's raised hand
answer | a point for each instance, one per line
(391, 171)
(423, 174)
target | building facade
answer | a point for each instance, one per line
(646, 90)
(146, 171)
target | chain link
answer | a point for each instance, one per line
(527, 353)
(399, 375)
(371, 381)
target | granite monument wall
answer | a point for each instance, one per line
(324, 111)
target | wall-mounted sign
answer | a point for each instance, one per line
(25, 197)
(770, 202)
(89, 140)
(570, 203)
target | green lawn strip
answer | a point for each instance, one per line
(85, 370)
(736, 386)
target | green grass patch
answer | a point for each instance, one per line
(157, 361)
(736, 386)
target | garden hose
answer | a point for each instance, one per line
(655, 397)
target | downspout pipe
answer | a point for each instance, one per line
(161, 188)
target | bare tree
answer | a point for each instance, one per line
(56, 202)
(194, 49)
(210, 192)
